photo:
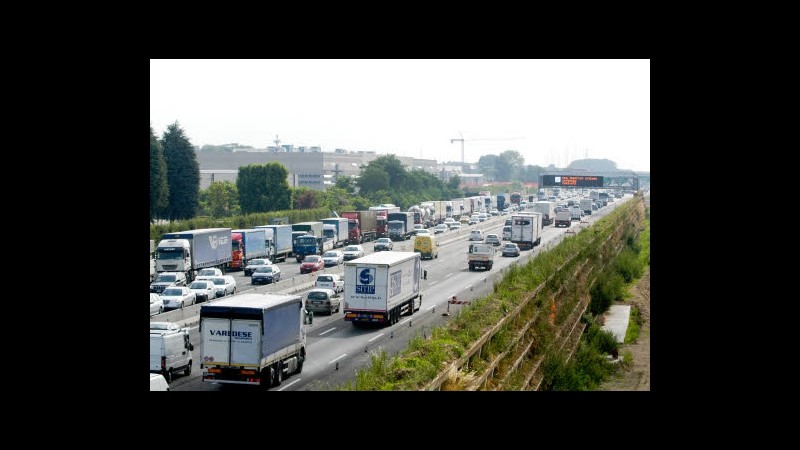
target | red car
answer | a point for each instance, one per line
(312, 263)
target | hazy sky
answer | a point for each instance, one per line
(551, 111)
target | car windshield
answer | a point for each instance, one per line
(199, 285)
(330, 255)
(169, 278)
(312, 259)
(264, 269)
(383, 241)
(324, 278)
(218, 280)
(208, 272)
(317, 295)
(257, 262)
(351, 249)
(172, 292)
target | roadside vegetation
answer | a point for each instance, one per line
(424, 359)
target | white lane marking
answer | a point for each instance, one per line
(293, 382)
(467, 287)
(449, 275)
(376, 337)
(433, 282)
(432, 306)
(194, 328)
(338, 358)
(328, 331)
(404, 321)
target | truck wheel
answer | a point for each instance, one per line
(301, 358)
(278, 373)
(168, 376)
(188, 370)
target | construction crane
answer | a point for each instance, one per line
(461, 139)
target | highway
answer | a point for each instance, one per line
(336, 349)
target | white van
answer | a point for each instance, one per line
(158, 383)
(170, 349)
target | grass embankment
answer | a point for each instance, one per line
(424, 359)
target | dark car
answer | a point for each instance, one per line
(383, 244)
(266, 274)
(510, 249)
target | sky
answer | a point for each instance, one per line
(550, 111)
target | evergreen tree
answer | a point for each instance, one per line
(159, 189)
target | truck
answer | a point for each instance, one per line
(335, 228)
(516, 197)
(278, 239)
(382, 286)
(501, 202)
(586, 205)
(547, 210)
(310, 245)
(247, 245)
(152, 260)
(526, 229)
(400, 233)
(563, 218)
(314, 228)
(361, 226)
(252, 339)
(192, 250)
(480, 254)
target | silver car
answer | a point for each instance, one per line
(205, 290)
(177, 297)
(353, 252)
(255, 263)
(156, 304)
(333, 258)
(225, 284)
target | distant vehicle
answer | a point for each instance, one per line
(330, 281)
(332, 258)
(423, 232)
(203, 289)
(476, 235)
(441, 228)
(507, 233)
(492, 238)
(266, 274)
(167, 279)
(177, 297)
(312, 263)
(170, 349)
(253, 264)
(156, 304)
(455, 227)
(480, 254)
(426, 245)
(449, 221)
(353, 252)
(226, 284)
(472, 221)
(208, 273)
(383, 244)
(510, 249)
(323, 300)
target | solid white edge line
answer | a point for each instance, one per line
(327, 331)
(376, 337)
(404, 321)
(433, 282)
(432, 306)
(293, 382)
(343, 355)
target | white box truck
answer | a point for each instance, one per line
(192, 250)
(253, 339)
(586, 205)
(563, 218)
(382, 286)
(526, 230)
(548, 211)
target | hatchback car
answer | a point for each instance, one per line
(266, 274)
(323, 300)
(476, 235)
(312, 263)
(251, 266)
(441, 228)
(208, 273)
(332, 258)
(507, 233)
(204, 290)
(177, 297)
(330, 281)
(510, 249)
(492, 238)
(455, 227)
(383, 244)
(156, 304)
(353, 252)
(226, 284)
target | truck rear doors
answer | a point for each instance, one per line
(231, 342)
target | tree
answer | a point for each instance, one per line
(263, 188)
(509, 165)
(183, 174)
(393, 168)
(488, 165)
(221, 199)
(372, 179)
(337, 199)
(159, 189)
(347, 183)
(454, 183)
(305, 198)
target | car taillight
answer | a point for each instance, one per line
(163, 363)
